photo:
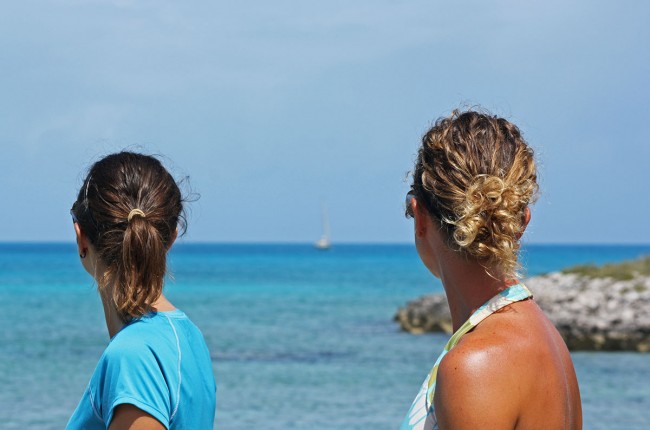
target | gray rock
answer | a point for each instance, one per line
(426, 314)
(591, 314)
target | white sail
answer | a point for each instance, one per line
(324, 241)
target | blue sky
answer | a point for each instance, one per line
(274, 107)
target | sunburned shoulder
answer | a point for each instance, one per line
(479, 382)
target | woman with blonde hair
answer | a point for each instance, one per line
(505, 366)
(156, 372)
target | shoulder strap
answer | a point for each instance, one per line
(506, 297)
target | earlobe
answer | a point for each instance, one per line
(82, 241)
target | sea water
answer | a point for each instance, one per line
(300, 338)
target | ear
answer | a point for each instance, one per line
(83, 243)
(421, 218)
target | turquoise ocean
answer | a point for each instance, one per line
(300, 338)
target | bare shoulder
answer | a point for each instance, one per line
(474, 387)
(485, 381)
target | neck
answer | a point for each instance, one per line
(114, 323)
(94, 266)
(466, 294)
(467, 284)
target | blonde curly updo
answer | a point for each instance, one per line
(476, 175)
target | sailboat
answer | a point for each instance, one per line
(324, 241)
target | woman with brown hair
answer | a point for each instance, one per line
(505, 366)
(156, 372)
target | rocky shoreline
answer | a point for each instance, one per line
(591, 313)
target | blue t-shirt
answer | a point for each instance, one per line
(158, 363)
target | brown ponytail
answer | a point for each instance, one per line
(130, 208)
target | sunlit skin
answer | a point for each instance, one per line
(513, 371)
(125, 416)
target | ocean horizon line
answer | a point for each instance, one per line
(183, 243)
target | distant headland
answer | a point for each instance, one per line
(595, 308)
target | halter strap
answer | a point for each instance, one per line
(510, 295)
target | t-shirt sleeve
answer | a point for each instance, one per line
(131, 374)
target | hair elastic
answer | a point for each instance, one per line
(135, 212)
